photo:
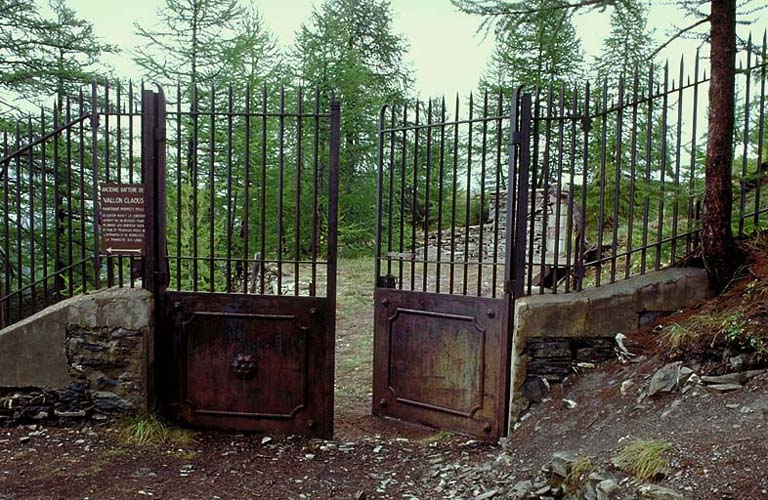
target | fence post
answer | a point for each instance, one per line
(153, 169)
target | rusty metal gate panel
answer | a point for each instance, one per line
(250, 362)
(244, 268)
(445, 360)
(447, 273)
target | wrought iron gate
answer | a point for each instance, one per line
(244, 334)
(449, 260)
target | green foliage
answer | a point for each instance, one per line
(628, 46)
(536, 49)
(46, 55)
(582, 467)
(191, 46)
(644, 459)
(348, 48)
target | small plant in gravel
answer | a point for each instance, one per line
(580, 470)
(150, 430)
(644, 459)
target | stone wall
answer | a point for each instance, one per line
(85, 357)
(552, 334)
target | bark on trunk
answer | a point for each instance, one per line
(720, 257)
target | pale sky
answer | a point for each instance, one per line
(446, 54)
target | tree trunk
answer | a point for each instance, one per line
(720, 256)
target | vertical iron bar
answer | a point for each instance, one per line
(194, 164)
(179, 181)
(280, 194)
(391, 194)
(440, 188)
(454, 194)
(414, 197)
(648, 161)
(6, 227)
(582, 245)
(534, 171)
(44, 208)
(70, 256)
(678, 146)
(427, 195)
(497, 193)
(402, 204)
(569, 230)
(692, 168)
(745, 151)
(663, 192)
(559, 182)
(483, 167)
(119, 161)
(632, 174)
(263, 197)
(617, 178)
(603, 160)
(19, 228)
(31, 210)
(546, 195)
(315, 188)
(230, 112)
(81, 159)
(379, 193)
(299, 160)
(94, 187)
(212, 194)
(469, 193)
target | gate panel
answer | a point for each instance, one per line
(444, 357)
(250, 362)
(245, 341)
(451, 204)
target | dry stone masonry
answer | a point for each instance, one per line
(84, 358)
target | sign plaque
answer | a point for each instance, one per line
(122, 219)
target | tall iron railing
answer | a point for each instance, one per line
(247, 198)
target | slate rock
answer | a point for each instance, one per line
(656, 492)
(665, 379)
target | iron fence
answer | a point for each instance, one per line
(247, 193)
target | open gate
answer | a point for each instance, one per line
(449, 260)
(241, 209)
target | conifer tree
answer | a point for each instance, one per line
(348, 47)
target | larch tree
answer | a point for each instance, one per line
(536, 50)
(629, 45)
(348, 47)
(47, 55)
(190, 44)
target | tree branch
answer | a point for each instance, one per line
(678, 35)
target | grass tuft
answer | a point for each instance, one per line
(643, 459)
(580, 470)
(151, 431)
